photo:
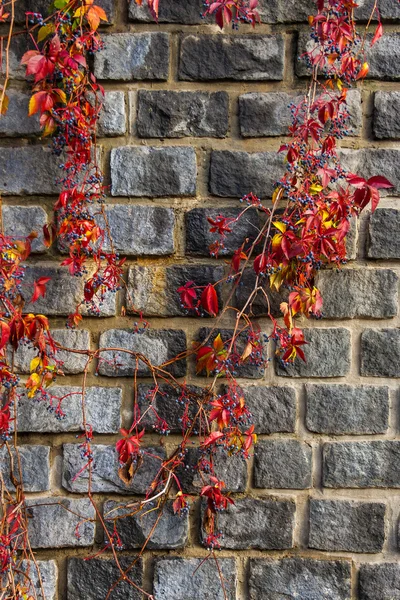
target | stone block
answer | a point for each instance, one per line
(21, 221)
(380, 352)
(35, 467)
(379, 581)
(282, 464)
(92, 579)
(384, 234)
(273, 408)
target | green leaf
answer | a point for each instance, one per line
(60, 3)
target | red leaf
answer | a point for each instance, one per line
(355, 180)
(39, 288)
(260, 262)
(378, 182)
(209, 300)
(4, 333)
(378, 34)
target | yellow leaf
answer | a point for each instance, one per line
(4, 105)
(281, 226)
(35, 363)
(315, 188)
(277, 195)
(80, 11)
(45, 31)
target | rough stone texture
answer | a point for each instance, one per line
(153, 290)
(16, 121)
(63, 292)
(35, 466)
(259, 305)
(171, 531)
(232, 470)
(327, 354)
(112, 119)
(105, 477)
(282, 464)
(72, 363)
(199, 237)
(29, 170)
(346, 409)
(173, 11)
(131, 56)
(384, 233)
(344, 526)
(384, 56)
(182, 578)
(379, 582)
(268, 114)
(45, 512)
(273, 408)
(103, 408)
(234, 174)
(169, 114)
(361, 464)
(380, 352)
(352, 293)
(239, 57)
(48, 572)
(265, 524)
(20, 221)
(157, 345)
(386, 110)
(374, 161)
(91, 579)
(299, 579)
(153, 171)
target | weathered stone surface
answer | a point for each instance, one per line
(46, 512)
(29, 170)
(282, 464)
(173, 11)
(170, 114)
(153, 171)
(299, 579)
(199, 237)
(265, 524)
(183, 578)
(248, 370)
(384, 233)
(19, 45)
(346, 409)
(130, 56)
(153, 290)
(351, 293)
(238, 57)
(72, 363)
(112, 120)
(20, 221)
(386, 110)
(35, 467)
(103, 408)
(344, 526)
(327, 353)
(273, 408)
(380, 352)
(16, 121)
(158, 346)
(379, 582)
(63, 292)
(383, 58)
(268, 114)
(374, 161)
(92, 579)
(232, 470)
(238, 173)
(171, 531)
(361, 464)
(48, 572)
(105, 477)
(259, 305)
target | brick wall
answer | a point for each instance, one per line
(192, 120)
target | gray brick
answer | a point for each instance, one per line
(384, 234)
(239, 57)
(170, 533)
(20, 221)
(268, 114)
(35, 467)
(16, 121)
(344, 526)
(264, 524)
(361, 464)
(105, 477)
(63, 292)
(72, 363)
(112, 120)
(92, 579)
(327, 354)
(259, 305)
(70, 516)
(352, 293)
(29, 170)
(273, 408)
(379, 582)
(19, 45)
(380, 352)
(48, 572)
(302, 578)
(158, 346)
(153, 290)
(388, 9)
(386, 110)
(182, 578)
(132, 56)
(199, 238)
(383, 58)
(292, 11)
(346, 409)
(169, 114)
(379, 161)
(282, 464)
(234, 174)
(152, 171)
(103, 407)
(173, 11)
